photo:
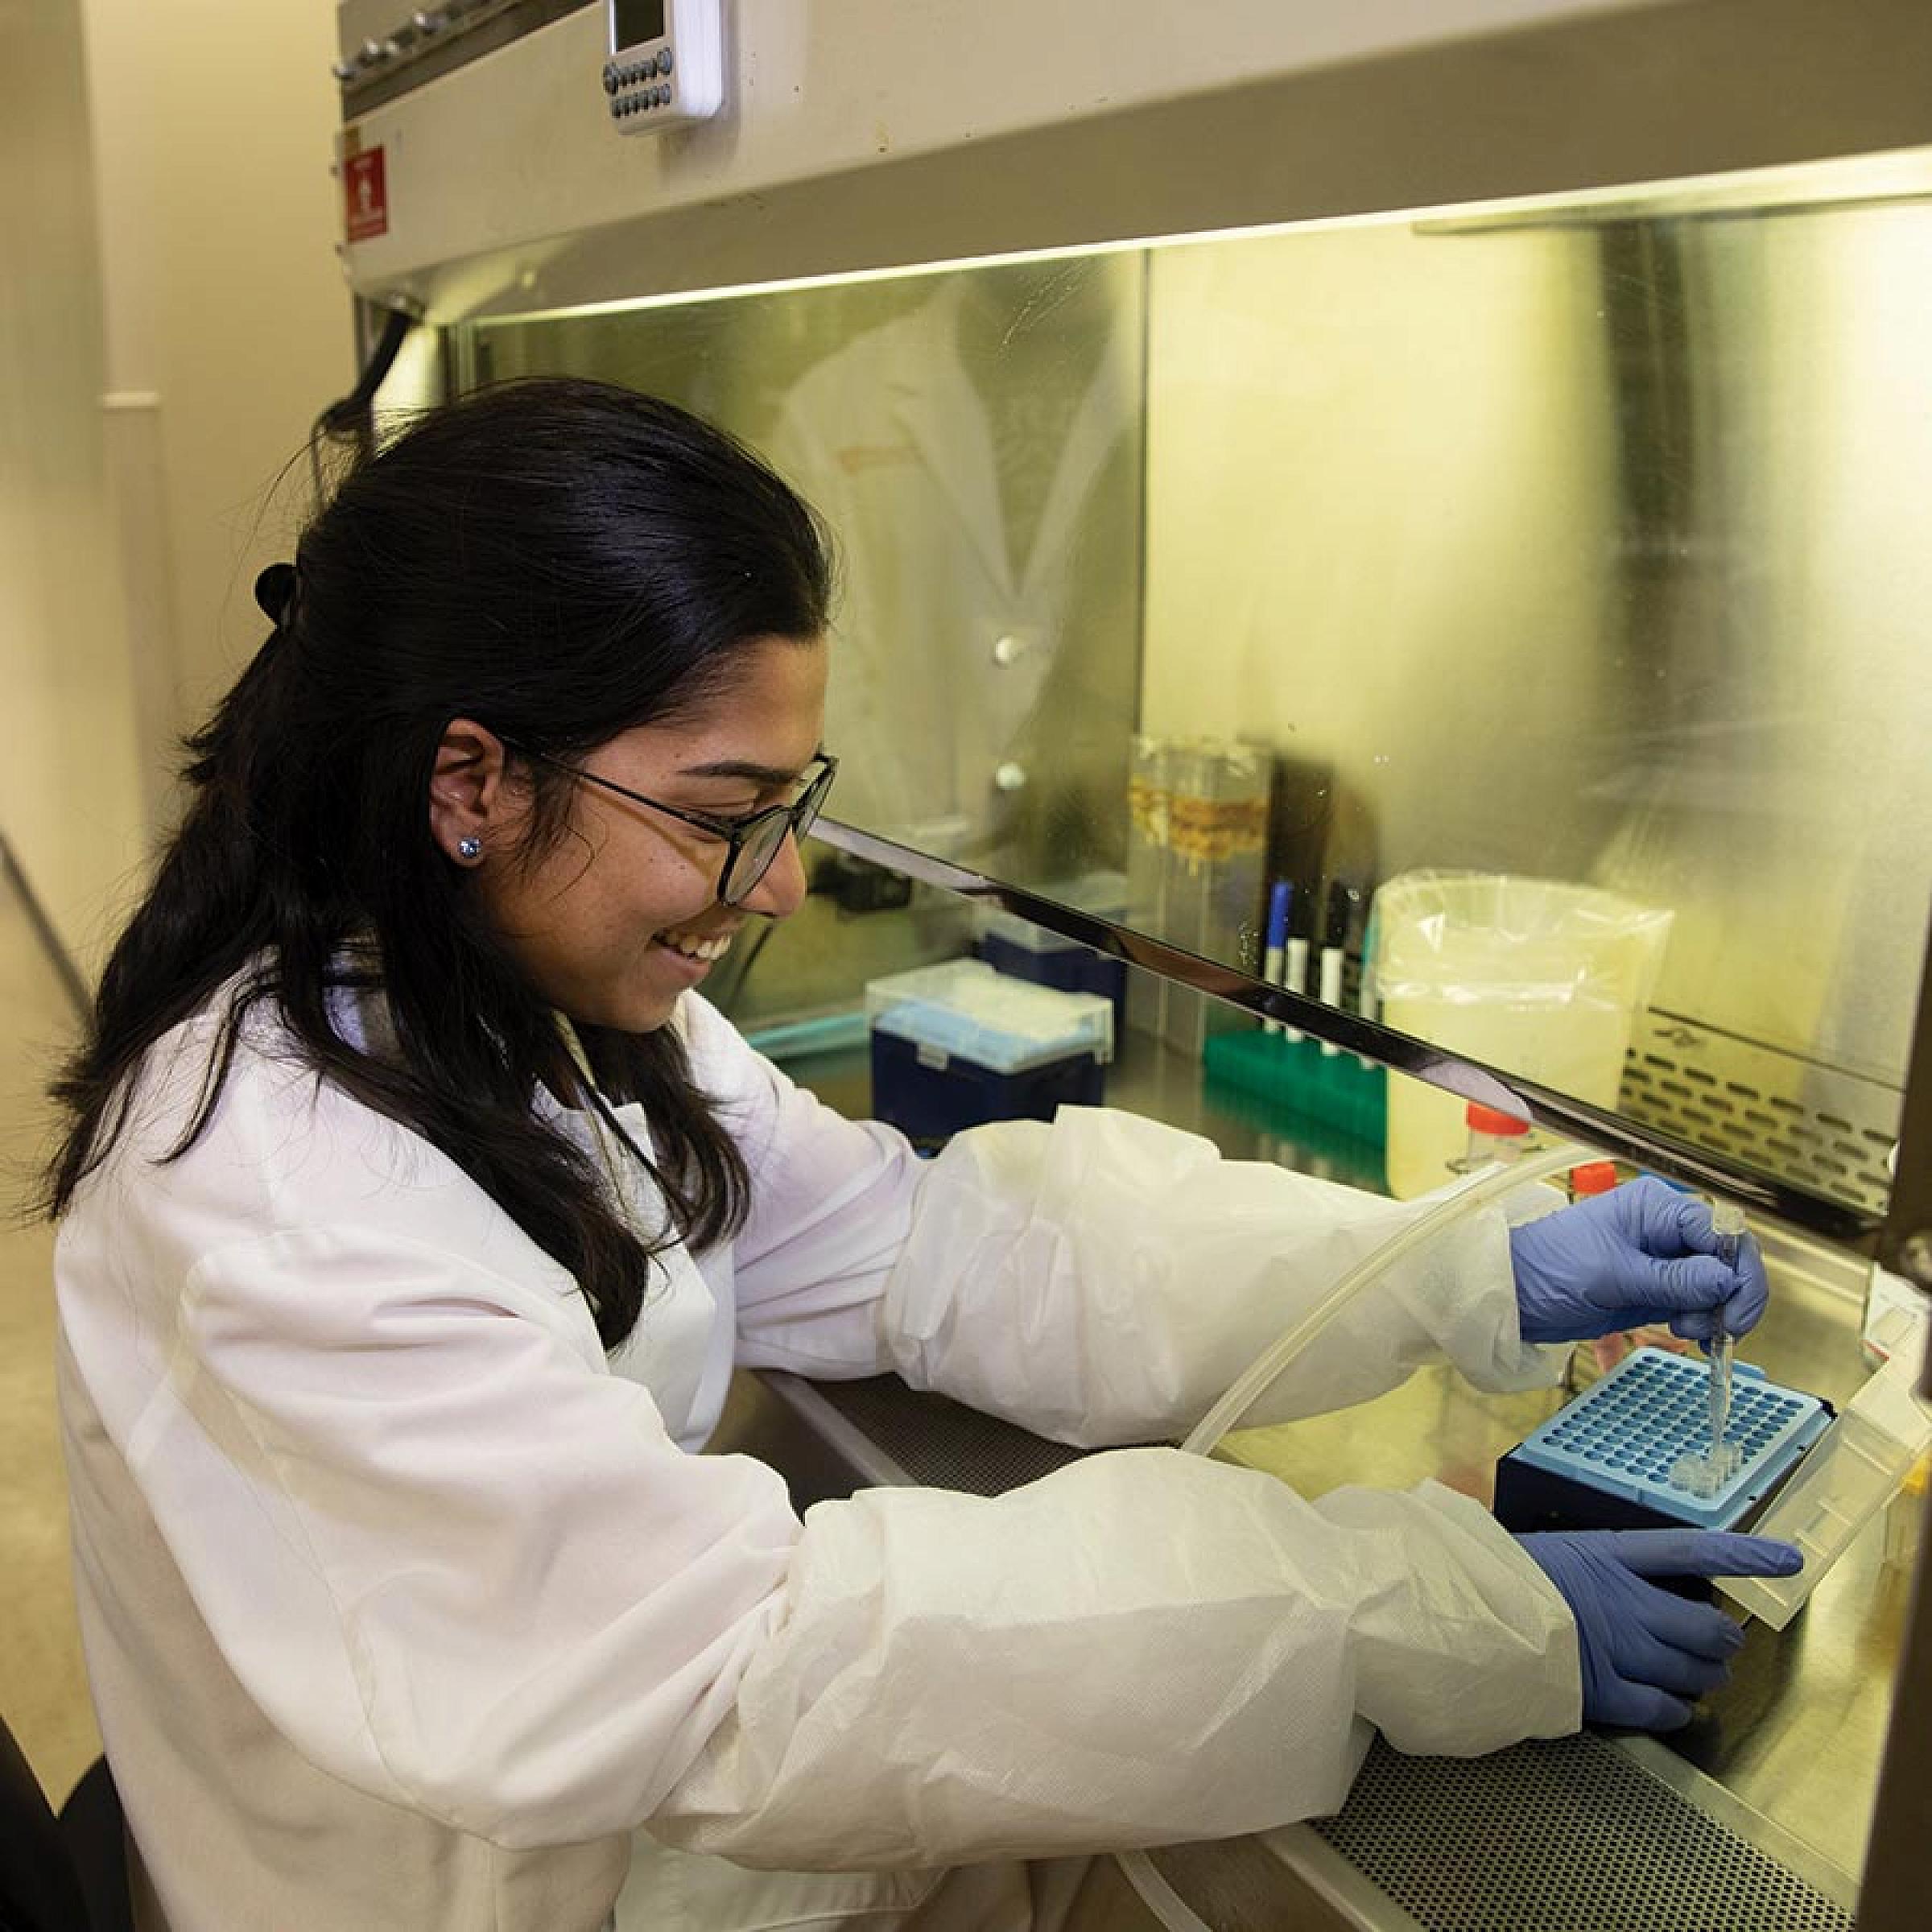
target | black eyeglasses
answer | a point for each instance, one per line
(755, 840)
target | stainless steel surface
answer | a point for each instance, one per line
(1826, 1128)
(1909, 1225)
(1796, 1739)
(1894, 1898)
(1588, 563)
(1895, 1874)
(1509, 1093)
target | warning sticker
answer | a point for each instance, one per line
(365, 197)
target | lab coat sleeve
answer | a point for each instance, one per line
(1105, 1279)
(1102, 1280)
(1144, 1647)
(832, 1202)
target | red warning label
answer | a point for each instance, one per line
(365, 195)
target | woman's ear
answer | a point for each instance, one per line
(468, 797)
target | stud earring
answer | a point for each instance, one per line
(471, 849)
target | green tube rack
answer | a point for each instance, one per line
(1300, 1087)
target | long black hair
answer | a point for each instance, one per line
(560, 560)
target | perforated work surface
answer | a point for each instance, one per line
(941, 1443)
(1560, 1835)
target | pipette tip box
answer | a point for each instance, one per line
(1605, 1461)
(1023, 951)
(957, 1044)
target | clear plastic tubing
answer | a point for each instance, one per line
(1160, 1898)
(1478, 1191)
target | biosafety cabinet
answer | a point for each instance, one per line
(1323, 446)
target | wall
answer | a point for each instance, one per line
(173, 319)
(70, 797)
(228, 324)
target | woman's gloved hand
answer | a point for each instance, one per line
(1648, 1655)
(1642, 1253)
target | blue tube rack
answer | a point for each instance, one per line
(1605, 1460)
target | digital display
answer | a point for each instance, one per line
(634, 20)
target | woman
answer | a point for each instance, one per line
(416, 1208)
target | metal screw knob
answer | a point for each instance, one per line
(1915, 1259)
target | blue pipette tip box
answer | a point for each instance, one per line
(1605, 1460)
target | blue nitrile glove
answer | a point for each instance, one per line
(1647, 1653)
(1642, 1253)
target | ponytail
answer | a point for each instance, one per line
(563, 561)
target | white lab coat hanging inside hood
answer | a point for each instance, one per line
(978, 460)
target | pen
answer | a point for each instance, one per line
(1274, 960)
(1365, 1001)
(1295, 977)
(1335, 934)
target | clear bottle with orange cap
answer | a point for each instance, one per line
(1591, 1178)
(1493, 1136)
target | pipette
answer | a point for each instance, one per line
(1728, 1224)
(1705, 1474)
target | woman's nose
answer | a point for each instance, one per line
(781, 890)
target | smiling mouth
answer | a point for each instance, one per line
(691, 946)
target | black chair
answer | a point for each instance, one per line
(63, 1872)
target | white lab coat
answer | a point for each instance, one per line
(404, 1606)
(966, 679)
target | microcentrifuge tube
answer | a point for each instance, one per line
(1706, 1474)
(1728, 1224)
